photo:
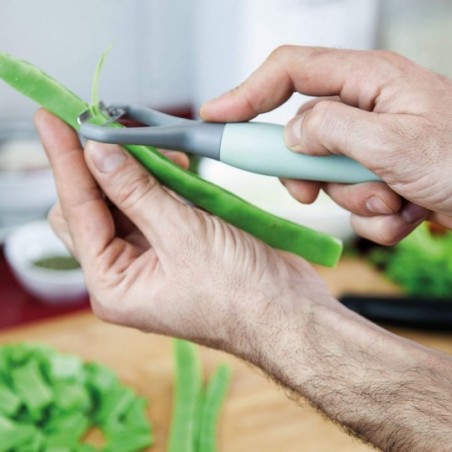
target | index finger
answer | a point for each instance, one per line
(90, 223)
(354, 75)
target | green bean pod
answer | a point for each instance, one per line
(212, 403)
(315, 246)
(187, 392)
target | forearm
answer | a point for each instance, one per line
(387, 390)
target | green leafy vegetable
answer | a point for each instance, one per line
(315, 246)
(52, 400)
(421, 263)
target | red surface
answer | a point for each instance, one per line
(17, 307)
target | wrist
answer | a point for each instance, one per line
(377, 385)
(279, 325)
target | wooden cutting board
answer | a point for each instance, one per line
(257, 416)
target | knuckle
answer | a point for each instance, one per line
(286, 52)
(102, 311)
(253, 99)
(318, 121)
(55, 216)
(281, 53)
(388, 232)
(391, 58)
(391, 66)
(385, 230)
(388, 238)
(133, 190)
(387, 55)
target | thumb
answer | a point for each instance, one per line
(331, 127)
(134, 191)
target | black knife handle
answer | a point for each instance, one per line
(414, 312)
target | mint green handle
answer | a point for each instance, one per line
(260, 148)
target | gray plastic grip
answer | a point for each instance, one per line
(194, 137)
(260, 148)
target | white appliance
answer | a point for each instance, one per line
(233, 38)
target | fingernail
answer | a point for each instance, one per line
(292, 133)
(376, 205)
(106, 157)
(412, 213)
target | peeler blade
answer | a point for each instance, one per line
(84, 117)
(111, 114)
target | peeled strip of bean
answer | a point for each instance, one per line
(187, 392)
(212, 404)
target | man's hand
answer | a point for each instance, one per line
(153, 262)
(376, 107)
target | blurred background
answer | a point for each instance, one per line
(173, 55)
(176, 54)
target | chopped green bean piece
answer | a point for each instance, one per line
(188, 384)
(9, 402)
(31, 388)
(213, 401)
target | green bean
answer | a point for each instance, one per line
(213, 401)
(315, 246)
(198, 416)
(188, 385)
(38, 86)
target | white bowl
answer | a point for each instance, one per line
(27, 188)
(34, 241)
(269, 194)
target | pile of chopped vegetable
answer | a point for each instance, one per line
(421, 263)
(49, 401)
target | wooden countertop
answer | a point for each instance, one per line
(258, 416)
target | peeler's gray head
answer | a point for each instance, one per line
(162, 131)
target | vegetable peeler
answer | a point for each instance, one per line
(251, 146)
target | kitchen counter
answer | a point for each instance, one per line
(258, 415)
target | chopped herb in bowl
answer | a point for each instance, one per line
(57, 262)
